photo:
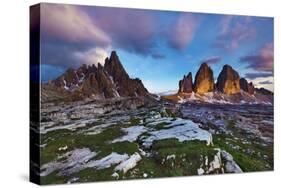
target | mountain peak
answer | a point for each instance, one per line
(185, 85)
(114, 56)
(226, 66)
(108, 81)
(114, 67)
(248, 87)
(99, 66)
(204, 79)
(204, 65)
(228, 80)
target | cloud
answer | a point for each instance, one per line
(266, 82)
(212, 60)
(262, 61)
(182, 31)
(258, 75)
(225, 24)
(234, 32)
(132, 30)
(158, 56)
(58, 54)
(77, 30)
(69, 23)
(91, 56)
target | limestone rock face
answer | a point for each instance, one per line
(248, 87)
(251, 88)
(114, 68)
(228, 81)
(204, 80)
(125, 85)
(185, 85)
(244, 84)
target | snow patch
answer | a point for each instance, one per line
(65, 87)
(63, 148)
(108, 161)
(200, 171)
(181, 129)
(171, 157)
(115, 175)
(73, 162)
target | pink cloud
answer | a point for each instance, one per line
(263, 60)
(225, 23)
(182, 32)
(234, 32)
(212, 60)
(71, 24)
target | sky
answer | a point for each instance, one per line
(159, 47)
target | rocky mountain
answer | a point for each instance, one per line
(228, 81)
(101, 82)
(247, 87)
(229, 88)
(263, 91)
(204, 80)
(185, 85)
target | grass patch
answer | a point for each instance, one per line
(134, 121)
(188, 155)
(247, 162)
(91, 174)
(72, 141)
(118, 147)
(52, 178)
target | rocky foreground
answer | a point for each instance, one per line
(102, 140)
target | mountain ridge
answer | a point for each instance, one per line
(112, 81)
(229, 88)
(96, 82)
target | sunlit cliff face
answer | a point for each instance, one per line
(231, 87)
(204, 80)
(205, 86)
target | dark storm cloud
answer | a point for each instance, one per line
(59, 54)
(132, 30)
